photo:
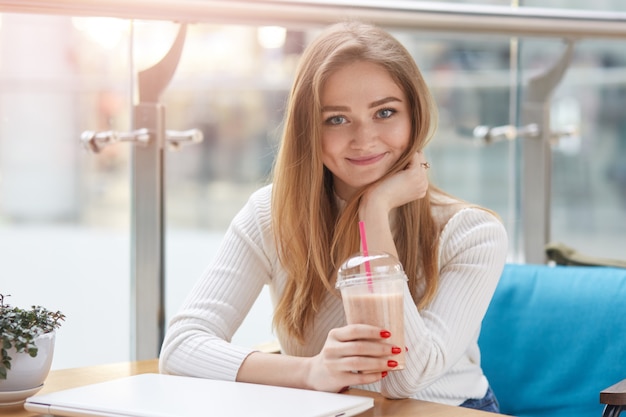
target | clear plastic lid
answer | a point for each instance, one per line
(376, 265)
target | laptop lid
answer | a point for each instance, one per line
(157, 395)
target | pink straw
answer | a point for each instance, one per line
(368, 268)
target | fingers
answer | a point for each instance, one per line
(419, 161)
(368, 364)
(418, 175)
(352, 355)
(361, 348)
(359, 332)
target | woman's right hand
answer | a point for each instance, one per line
(352, 355)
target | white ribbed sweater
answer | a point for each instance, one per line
(443, 360)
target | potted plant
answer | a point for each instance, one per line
(26, 348)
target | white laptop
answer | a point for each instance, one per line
(157, 395)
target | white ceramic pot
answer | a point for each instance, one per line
(27, 373)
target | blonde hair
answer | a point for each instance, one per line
(312, 236)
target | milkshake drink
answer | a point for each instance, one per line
(373, 293)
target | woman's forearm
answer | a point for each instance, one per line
(275, 369)
(375, 215)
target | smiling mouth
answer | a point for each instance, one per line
(366, 160)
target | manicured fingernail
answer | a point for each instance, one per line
(406, 348)
(344, 389)
(384, 374)
(392, 364)
(385, 334)
(395, 350)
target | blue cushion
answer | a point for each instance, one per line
(554, 337)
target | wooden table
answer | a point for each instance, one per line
(70, 378)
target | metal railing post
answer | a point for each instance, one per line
(148, 208)
(537, 158)
(150, 140)
(147, 235)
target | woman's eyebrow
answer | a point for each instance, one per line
(335, 108)
(383, 101)
(371, 105)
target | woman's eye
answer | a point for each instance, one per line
(335, 120)
(385, 113)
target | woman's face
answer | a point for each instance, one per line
(366, 125)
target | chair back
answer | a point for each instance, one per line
(554, 337)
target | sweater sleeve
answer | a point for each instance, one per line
(197, 342)
(472, 253)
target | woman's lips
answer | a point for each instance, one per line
(366, 160)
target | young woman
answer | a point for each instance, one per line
(358, 119)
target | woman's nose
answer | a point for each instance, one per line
(362, 135)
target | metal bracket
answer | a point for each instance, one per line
(96, 141)
(491, 134)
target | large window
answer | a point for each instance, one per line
(65, 212)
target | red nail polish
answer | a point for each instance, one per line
(344, 389)
(392, 364)
(406, 348)
(384, 374)
(385, 334)
(395, 350)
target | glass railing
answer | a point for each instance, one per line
(70, 222)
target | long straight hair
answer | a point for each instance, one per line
(312, 235)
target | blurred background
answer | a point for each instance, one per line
(65, 212)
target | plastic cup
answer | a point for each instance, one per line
(372, 290)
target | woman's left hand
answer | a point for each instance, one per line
(403, 187)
